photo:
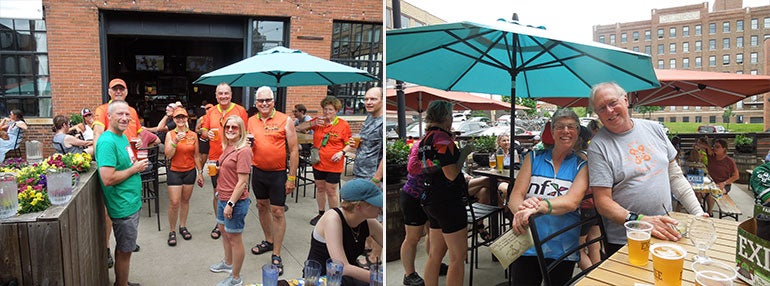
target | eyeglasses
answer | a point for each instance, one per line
(610, 105)
(263, 100)
(232, 127)
(570, 126)
(118, 88)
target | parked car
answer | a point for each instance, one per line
(484, 119)
(506, 129)
(504, 118)
(711, 129)
(469, 128)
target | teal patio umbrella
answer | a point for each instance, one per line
(281, 67)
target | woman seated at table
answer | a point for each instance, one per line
(64, 143)
(340, 234)
(10, 129)
(722, 169)
(565, 178)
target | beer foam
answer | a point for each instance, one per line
(638, 235)
(667, 251)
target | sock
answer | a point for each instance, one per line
(320, 213)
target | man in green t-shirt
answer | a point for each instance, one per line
(121, 185)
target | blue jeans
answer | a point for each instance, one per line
(236, 223)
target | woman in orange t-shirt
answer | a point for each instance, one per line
(181, 148)
(330, 135)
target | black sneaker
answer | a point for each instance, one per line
(285, 208)
(414, 279)
(110, 260)
(137, 248)
(443, 269)
(315, 220)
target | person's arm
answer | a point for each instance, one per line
(169, 147)
(198, 165)
(377, 178)
(333, 234)
(304, 126)
(98, 130)
(22, 125)
(375, 230)
(613, 211)
(734, 177)
(112, 177)
(240, 186)
(682, 189)
(70, 140)
(291, 140)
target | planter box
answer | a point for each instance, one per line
(63, 245)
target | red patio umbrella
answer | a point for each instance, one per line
(689, 88)
(418, 98)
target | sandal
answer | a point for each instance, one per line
(279, 263)
(485, 235)
(215, 233)
(263, 247)
(185, 233)
(172, 238)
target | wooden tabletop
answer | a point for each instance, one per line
(494, 173)
(618, 271)
(303, 138)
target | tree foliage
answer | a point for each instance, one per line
(643, 109)
(727, 114)
(528, 102)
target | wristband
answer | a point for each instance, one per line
(639, 217)
(374, 180)
(291, 178)
(173, 145)
(550, 207)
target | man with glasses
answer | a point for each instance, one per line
(633, 170)
(211, 128)
(368, 164)
(272, 131)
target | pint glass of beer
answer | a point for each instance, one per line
(212, 165)
(708, 273)
(216, 134)
(356, 140)
(667, 263)
(638, 234)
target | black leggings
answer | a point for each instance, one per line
(525, 271)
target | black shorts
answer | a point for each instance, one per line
(331, 178)
(585, 214)
(412, 210)
(203, 146)
(445, 209)
(269, 185)
(181, 178)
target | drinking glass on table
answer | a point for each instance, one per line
(702, 233)
(638, 234)
(713, 273)
(492, 162)
(312, 272)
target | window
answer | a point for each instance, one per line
(712, 44)
(753, 58)
(698, 62)
(636, 49)
(685, 47)
(685, 108)
(754, 41)
(754, 24)
(660, 64)
(647, 35)
(739, 72)
(726, 43)
(672, 64)
(660, 49)
(685, 31)
(602, 39)
(712, 61)
(672, 108)
(636, 36)
(623, 38)
(672, 48)
(739, 25)
(388, 18)
(612, 39)
(698, 119)
(268, 35)
(660, 33)
(363, 50)
(672, 119)
(712, 119)
(686, 63)
(685, 118)
(725, 60)
(753, 72)
(698, 108)
(739, 42)
(24, 74)
(660, 119)
(767, 23)
(698, 46)
(697, 30)
(648, 49)
(726, 27)
(672, 32)
(404, 21)
(712, 28)
(739, 58)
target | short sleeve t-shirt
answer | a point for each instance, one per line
(339, 134)
(232, 163)
(134, 125)
(215, 118)
(721, 170)
(269, 141)
(184, 156)
(125, 198)
(369, 152)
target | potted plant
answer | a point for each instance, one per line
(397, 153)
(744, 144)
(484, 147)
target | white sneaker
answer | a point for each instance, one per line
(236, 282)
(226, 282)
(221, 267)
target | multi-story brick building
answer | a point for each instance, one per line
(728, 38)
(63, 62)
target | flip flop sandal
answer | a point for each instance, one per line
(185, 233)
(279, 264)
(215, 233)
(263, 247)
(172, 238)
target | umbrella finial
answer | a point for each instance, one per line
(515, 17)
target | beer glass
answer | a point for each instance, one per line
(713, 273)
(216, 134)
(638, 234)
(702, 233)
(499, 162)
(212, 165)
(667, 263)
(492, 162)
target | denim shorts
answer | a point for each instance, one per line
(236, 223)
(126, 230)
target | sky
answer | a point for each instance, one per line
(571, 19)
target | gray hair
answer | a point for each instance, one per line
(611, 85)
(113, 104)
(438, 111)
(563, 113)
(263, 89)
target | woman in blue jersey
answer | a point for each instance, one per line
(553, 182)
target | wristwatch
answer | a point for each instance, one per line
(343, 152)
(231, 204)
(632, 216)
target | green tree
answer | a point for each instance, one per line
(528, 102)
(648, 110)
(580, 111)
(726, 116)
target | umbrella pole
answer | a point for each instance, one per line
(513, 126)
(419, 112)
(401, 109)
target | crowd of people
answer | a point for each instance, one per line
(247, 154)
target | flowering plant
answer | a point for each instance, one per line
(80, 162)
(32, 180)
(14, 163)
(33, 199)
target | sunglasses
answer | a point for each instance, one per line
(263, 100)
(232, 127)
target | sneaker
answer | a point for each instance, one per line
(227, 280)
(110, 260)
(443, 269)
(413, 279)
(236, 282)
(315, 220)
(221, 267)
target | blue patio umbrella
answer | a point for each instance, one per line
(283, 67)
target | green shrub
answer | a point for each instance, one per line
(742, 139)
(485, 144)
(397, 152)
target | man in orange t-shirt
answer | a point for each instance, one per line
(272, 131)
(214, 119)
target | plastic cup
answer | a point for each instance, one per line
(713, 273)
(499, 162)
(638, 234)
(492, 162)
(133, 143)
(375, 274)
(667, 263)
(269, 275)
(312, 272)
(333, 272)
(356, 140)
(216, 134)
(212, 165)
(250, 137)
(141, 154)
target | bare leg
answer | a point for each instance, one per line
(409, 247)
(236, 249)
(174, 198)
(226, 245)
(122, 265)
(320, 197)
(332, 196)
(279, 228)
(438, 249)
(184, 208)
(457, 244)
(265, 220)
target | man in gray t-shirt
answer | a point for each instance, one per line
(368, 162)
(633, 170)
